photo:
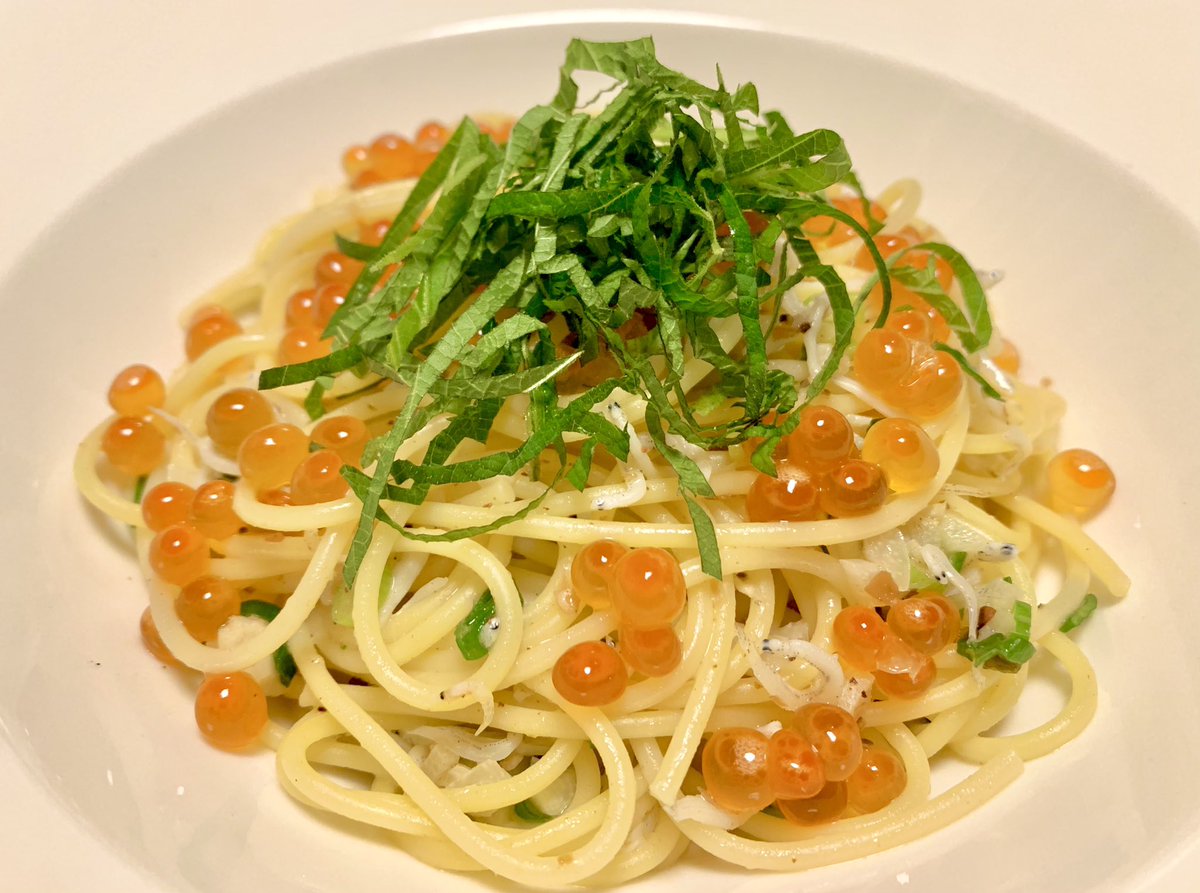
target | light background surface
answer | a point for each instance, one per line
(84, 86)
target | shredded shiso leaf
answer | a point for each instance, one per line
(629, 228)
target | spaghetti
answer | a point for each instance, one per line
(573, 668)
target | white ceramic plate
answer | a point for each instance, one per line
(1095, 295)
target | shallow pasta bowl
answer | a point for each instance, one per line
(109, 734)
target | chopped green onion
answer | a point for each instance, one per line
(139, 488)
(285, 664)
(1085, 610)
(919, 579)
(469, 632)
(1004, 652)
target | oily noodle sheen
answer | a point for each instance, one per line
(437, 749)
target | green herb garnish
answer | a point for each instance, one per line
(139, 488)
(469, 632)
(958, 357)
(285, 664)
(1085, 610)
(1004, 652)
(595, 222)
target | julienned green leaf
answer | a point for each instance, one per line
(970, 370)
(559, 205)
(601, 243)
(1085, 610)
(496, 296)
(746, 287)
(463, 388)
(577, 477)
(338, 361)
(314, 403)
(359, 482)
(807, 163)
(973, 324)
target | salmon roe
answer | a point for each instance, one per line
(268, 457)
(318, 479)
(647, 588)
(153, 641)
(235, 414)
(923, 623)
(734, 765)
(135, 390)
(1005, 355)
(865, 642)
(833, 734)
(591, 572)
(590, 674)
(651, 652)
(275, 496)
(857, 487)
(344, 434)
(858, 633)
(907, 373)
(337, 269)
(793, 496)
(208, 328)
(205, 604)
(301, 308)
(133, 445)
(374, 233)
(166, 504)
(302, 343)
(211, 511)
(329, 298)
(822, 440)
(828, 804)
(901, 671)
(794, 768)
(934, 386)
(391, 157)
(883, 358)
(879, 779)
(919, 320)
(813, 771)
(179, 554)
(904, 451)
(231, 710)
(432, 136)
(1080, 482)
(912, 323)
